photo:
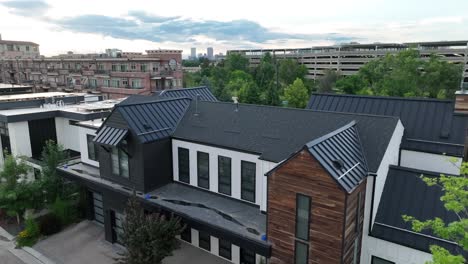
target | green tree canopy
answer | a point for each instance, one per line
(296, 94)
(327, 81)
(236, 62)
(290, 70)
(148, 238)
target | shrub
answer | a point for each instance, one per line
(64, 210)
(49, 224)
(29, 235)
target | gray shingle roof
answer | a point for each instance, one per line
(203, 92)
(406, 194)
(340, 153)
(275, 133)
(430, 124)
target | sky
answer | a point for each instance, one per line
(90, 26)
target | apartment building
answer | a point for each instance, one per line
(128, 73)
(13, 49)
(258, 184)
(27, 121)
(349, 58)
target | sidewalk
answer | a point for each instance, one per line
(11, 255)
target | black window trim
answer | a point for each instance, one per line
(295, 250)
(179, 149)
(230, 249)
(254, 181)
(199, 154)
(209, 240)
(121, 149)
(379, 258)
(220, 157)
(308, 217)
(89, 140)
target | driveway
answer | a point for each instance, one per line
(85, 243)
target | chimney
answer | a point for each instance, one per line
(461, 102)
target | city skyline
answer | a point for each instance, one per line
(88, 27)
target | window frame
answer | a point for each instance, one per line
(222, 161)
(296, 242)
(199, 240)
(308, 217)
(200, 173)
(95, 150)
(244, 162)
(179, 150)
(381, 259)
(121, 153)
(220, 241)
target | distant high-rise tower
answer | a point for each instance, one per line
(209, 52)
(193, 53)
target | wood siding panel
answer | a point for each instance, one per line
(303, 174)
(350, 227)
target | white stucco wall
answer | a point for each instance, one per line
(262, 167)
(19, 139)
(82, 131)
(214, 248)
(67, 135)
(430, 162)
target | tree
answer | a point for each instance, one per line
(17, 193)
(264, 76)
(290, 70)
(235, 61)
(247, 90)
(327, 81)
(455, 199)
(52, 156)
(353, 84)
(296, 94)
(148, 238)
(440, 78)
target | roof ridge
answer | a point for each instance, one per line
(156, 100)
(330, 134)
(303, 110)
(183, 89)
(388, 97)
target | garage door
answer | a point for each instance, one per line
(98, 210)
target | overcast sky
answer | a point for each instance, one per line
(94, 25)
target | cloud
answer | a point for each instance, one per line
(175, 29)
(27, 7)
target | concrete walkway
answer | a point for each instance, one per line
(11, 255)
(85, 243)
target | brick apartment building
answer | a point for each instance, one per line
(115, 74)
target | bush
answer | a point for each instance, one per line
(49, 224)
(64, 210)
(29, 235)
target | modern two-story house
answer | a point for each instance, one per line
(258, 183)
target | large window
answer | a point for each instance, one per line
(184, 165)
(225, 249)
(302, 216)
(224, 174)
(120, 160)
(203, 169)
(377, 260)
(93, 150)
(248, 181)
(301, 253)
(204, 240)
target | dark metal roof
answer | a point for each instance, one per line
(275, 133)
(430, 124)
(150, 119)
(110, 136)
(406, 194)
(340, 153)
(203, 92)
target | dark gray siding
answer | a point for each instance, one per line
(157, 164)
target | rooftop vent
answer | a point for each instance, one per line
(338, 164)
(146, 126)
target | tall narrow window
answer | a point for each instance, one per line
(119, 160)
(93, 150)
(224, 174)
(203, 169)
(204, 240)
(358, 212)
(186, 235)
(248, 181)
(301, 253)
(225, 249)
(302, 216)
(184, 166)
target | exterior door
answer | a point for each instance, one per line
(98, 208)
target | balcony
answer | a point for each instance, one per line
(163, 73)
